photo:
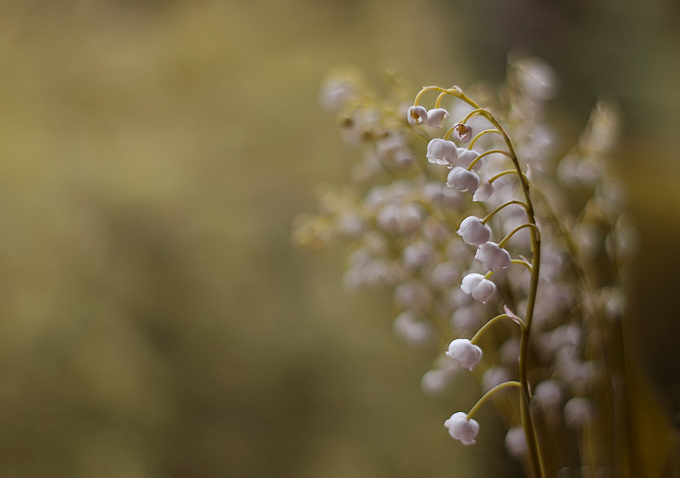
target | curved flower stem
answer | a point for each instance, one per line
(519, 228)
(519, 261)
(488, 217)
(486, 396)
(480, 134)
(503, 173)
(486, 153)
(535, 459)
(490, 323)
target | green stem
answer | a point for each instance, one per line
(489, 324)
(519, 228)
(488, 217)
(486, 396)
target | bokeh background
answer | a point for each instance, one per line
(156, 321)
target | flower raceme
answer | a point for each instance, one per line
(400, 214)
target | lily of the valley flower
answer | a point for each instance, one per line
(462, 132)
(483, 191)
(465, 157)
(462, 428)
(462, 180)
(416, 115)
(440, 151)
(436, 116)
(473, 231)
(480, 288)
(464, 352)
(495, 258)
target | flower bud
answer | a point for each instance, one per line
(462, 180)
(465, 352)
(493, 257)
(462, 428)
(436, 116)
(416, 115)
(440, 151)
(473, 231)
(480, 288)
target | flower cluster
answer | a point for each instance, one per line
(476, 221)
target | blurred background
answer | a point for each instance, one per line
(156, 321)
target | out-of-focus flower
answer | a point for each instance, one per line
(578, 412)
(516, 443)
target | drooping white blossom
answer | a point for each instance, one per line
(436, 116)
(416, 115)
(480, 288)
(493, 257)
(465, 352)
(473, 231)
(483, 191)
(465, 158)
(440, 151)
(462, 428)
(462, 132)
(463, 180)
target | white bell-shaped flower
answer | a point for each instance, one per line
(463, 180)
(465, 352)
(462, 428)
(483, 191)
(440, 151)
(493, 257)
(462, 132)
(480, 288)
(473, 231)
(436, 116)
(416, 115)
(465, 157)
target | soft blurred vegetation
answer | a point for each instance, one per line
(156, 320)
